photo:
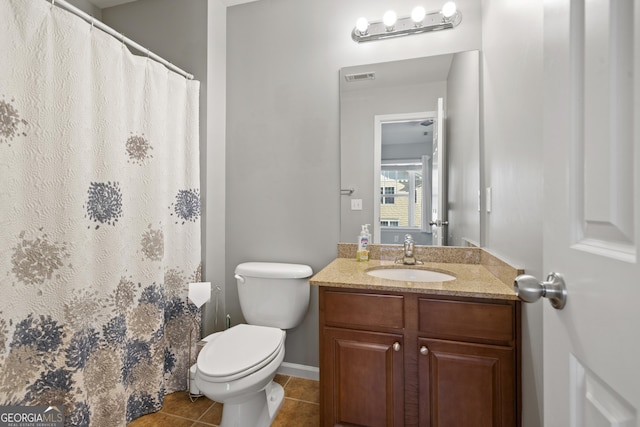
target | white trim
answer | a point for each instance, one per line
(300, 371)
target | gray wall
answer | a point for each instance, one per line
(512, 108)
(216, 171)
(87, 7)
(463, 148)
(283, 165)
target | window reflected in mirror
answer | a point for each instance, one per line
(401, 195)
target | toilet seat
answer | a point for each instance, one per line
(239, 351)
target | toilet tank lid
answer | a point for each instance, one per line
(274, 270)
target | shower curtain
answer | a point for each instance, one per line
(99, 219)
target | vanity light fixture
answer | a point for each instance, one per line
(389, 20)
(419, 22)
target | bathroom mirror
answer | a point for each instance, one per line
(390, 176)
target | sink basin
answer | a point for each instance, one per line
(410, 275)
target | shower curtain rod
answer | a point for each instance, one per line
(97, 23)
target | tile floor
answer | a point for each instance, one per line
(300, 408)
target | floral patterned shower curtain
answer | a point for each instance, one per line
(99, 219)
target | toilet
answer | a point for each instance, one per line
(236, 367)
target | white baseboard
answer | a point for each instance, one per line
(300, 371)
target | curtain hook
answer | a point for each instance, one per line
(53, 2)
(92, 22)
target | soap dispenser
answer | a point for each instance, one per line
(363, 244)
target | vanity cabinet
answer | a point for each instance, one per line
(405, 359)
(363, 359)
(365, 365)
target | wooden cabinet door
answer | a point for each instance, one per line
(466, 385)
(363, 378)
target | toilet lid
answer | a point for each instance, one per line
(239, 351)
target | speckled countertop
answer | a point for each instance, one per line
(471, 279)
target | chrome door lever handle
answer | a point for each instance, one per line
(529, 289)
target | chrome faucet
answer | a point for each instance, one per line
(408, 257)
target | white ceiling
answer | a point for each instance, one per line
(397, 73)
(411, 132)
(101, 4)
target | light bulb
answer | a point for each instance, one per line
(362, 25)
(389, 19)
(417, 14)
(449, 9)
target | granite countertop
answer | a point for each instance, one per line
(472, 280)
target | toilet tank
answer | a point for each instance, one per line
(273, 294)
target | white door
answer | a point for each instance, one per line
(592, 210)
(439, 181)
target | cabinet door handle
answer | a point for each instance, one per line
(424, 350)
(396, 346)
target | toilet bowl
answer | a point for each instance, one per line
(236, 367)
